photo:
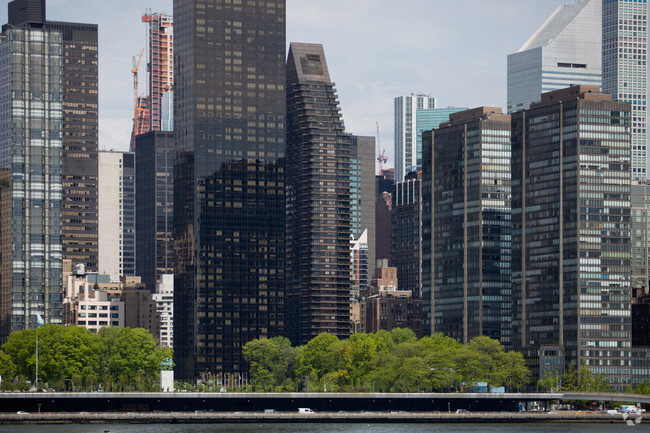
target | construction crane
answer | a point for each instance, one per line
(136, 102)
(382, 158)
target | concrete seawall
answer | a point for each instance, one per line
(318, 417)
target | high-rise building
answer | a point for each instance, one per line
(160, 71)
(564, 51)
(229, 192)
(625, 75)
(467, 168)
(48, 154)
(319, 220)
(154, 205)
(571, 233)
(362, 192)
(117, 214)
(406, 154)
(406, 233)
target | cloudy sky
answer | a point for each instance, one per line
(376, 50)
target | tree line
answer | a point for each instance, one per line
(394, 361)
(73, 358)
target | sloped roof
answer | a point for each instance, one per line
(554, 25)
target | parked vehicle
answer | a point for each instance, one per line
(305, 410)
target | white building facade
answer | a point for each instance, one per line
(564, 51)
(116, 214)
(164, 298)
(407, 156)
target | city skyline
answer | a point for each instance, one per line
(372, 57)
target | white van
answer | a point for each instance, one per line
(305, 410)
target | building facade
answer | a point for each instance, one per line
(428, 119)
(164, 299)
(362, 192)
(117, 214)
(640, 247)
(154, 205)
(571, 232)
(564, 51)
(31, 153)
(160, 70)
(469, 288)
(625, 75)
(386, 307)
(229, 199)
(406, 233)
(319, 216)
(406, 154)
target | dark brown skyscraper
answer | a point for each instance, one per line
(80, 137)
(318, 200)
(229, 207)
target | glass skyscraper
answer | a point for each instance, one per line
(571, 232)
(48, 158)
(564, 51)
(229, 192)
(625, 69)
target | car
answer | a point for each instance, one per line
(462, 411)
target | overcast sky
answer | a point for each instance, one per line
(376, 50)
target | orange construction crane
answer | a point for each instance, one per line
(382, 158)
(136, 102)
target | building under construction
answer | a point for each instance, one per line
(154, 111)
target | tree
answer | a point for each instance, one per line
(127, 353)
(7, 367)
(272, 363)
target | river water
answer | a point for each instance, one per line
(576, 427)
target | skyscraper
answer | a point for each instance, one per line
(564, 51)
(154, 205)
(318, 200)
(406, 154)
(467, 165)
(229, 200)
(571, 233)
(625, 75)
(117, 214)
(48, 149)
(160, 71)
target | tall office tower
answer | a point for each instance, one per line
(406, 233)
(625, 75)
(362, 189)
(154, 205)
(318, 200)
(640, 233)
(50, 153)
(117, 214)
(407, 157)
(467, 162)
(161, 71)
(571, 232)
(564, 51)
(229, 199)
